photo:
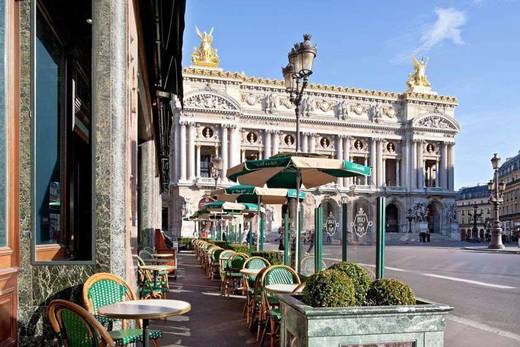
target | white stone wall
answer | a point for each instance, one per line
(247, 114)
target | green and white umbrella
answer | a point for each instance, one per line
(223, 206)
(294, 170)
(260, 195)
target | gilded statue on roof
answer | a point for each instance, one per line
(418, 77)
(205, 55)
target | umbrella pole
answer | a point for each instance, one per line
(297, 218)
(259, 225)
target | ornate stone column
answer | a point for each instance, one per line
(305, 142)
(312, 143)
(234, 145)
(451, 167)
(420, 165)
(444, 166)
(398, 172)
(197, 160)
(339, 154)
(224, 147)
(191, 151)
(413, 166)
(268, 134)
(346, 156)
(405, 165)
(373, 162)
(276, 142)
(182, 152)
(379, 162)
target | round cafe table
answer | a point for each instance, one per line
(145, 310)
(284, 288)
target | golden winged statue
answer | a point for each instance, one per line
(205, 55)
(418, 77)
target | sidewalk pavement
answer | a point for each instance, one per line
(213, 320)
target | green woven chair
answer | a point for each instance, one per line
(104, 289)
(276, 274)
(233, 276)
(223, 263)
(148, 287)
(249, 283)
(75, 326)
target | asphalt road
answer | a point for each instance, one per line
(483, 288)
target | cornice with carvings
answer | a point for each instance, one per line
(326, 90)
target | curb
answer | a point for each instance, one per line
(487, 250)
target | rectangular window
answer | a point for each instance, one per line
(62, 132)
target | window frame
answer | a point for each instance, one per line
(64, 124)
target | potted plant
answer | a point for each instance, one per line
(332, 312)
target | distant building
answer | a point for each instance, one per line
(467, 199)
(408, 139)
(509, 172)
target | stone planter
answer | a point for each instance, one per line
(420, 325)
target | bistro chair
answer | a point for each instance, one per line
(233, 276)
(213, 262)
(151, 285)
(75, 326)
(276, 274)
(104, 289)
(249, 282)
(223, 261)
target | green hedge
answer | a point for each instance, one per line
(185, 243)
(385, 292)
(275, 258)
(329, 288)
(359, 277)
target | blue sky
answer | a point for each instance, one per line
(473, 47)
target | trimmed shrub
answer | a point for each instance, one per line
(385, 292)
(329, 288)
(359, 277)
(275, 258)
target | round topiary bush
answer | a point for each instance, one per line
(329, 288)
(359, 277)
(386, 292)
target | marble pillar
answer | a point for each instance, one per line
(339, 155)
(398, 172)
(420, 165)
(444, 166)
(197, 160)
(182, 152)
(234, 145)
(405, 162)
(305, 142)
(451, 167)
(191, 151)
(373, 162)
(276, 142)
(224, 147)
(346, 156)
(267, 143)
(413, 166)
(109, 91)
(312, 143)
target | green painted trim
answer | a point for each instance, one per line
(318, 239)
(286, 240)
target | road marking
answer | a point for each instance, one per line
(455, 279)
(499, 286)
(484, 327)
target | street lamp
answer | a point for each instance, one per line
(216, 169)
(410, 218)
(475, 215)
(496, 189)
(296, 75)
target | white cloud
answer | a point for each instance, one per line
(447, 26)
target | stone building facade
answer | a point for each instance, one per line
(467, 199)
(408, 139)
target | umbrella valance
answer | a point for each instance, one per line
(281, 171)
(250, 194)
(220, 205)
